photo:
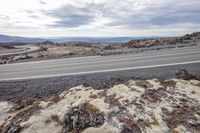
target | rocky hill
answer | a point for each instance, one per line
(188, 38)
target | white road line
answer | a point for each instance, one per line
(93, 65)
(106, 61)
(101, 71)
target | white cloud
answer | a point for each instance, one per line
(98, 17)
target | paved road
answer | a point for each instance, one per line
(93, 64)
(19, 50)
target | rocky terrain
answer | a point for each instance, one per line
(189, 38)
(3, 47)
(70, 49)
(50, 50)
(130, 106)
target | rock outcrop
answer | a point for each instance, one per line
(189, 38)
(136, 106)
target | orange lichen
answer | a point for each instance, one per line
(93, 96)
(126, 120)
(55, 118)
(92, 109)
(55, 99)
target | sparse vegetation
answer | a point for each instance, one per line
(139, 106)
(75, 49)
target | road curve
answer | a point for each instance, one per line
(94, 64)
(19, 50)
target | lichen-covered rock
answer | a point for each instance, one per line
(11, 128)
(136, 106)
(82, 117)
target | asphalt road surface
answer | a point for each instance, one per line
(96, 64)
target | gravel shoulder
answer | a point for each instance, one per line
(130, 106)
(44, 87)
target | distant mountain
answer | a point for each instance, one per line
(17, 39)
(11, 39)
(97, 39)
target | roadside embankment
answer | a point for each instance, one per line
(131, 106)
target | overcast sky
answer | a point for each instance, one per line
(53, 18)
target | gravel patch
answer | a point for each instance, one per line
(40, 88)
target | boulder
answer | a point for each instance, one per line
(82, 117)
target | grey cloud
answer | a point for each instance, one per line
(4, 17)
(42, 2)
(176, 14)
(73, 21)
(159, 15)
(28, 11)
(34, 16)
(70, 16)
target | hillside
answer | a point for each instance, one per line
(188, 38)
(9, 39)
(150, 42)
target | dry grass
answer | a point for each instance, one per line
(198, 85)
(93, 96)
(144, 84)
(1, 127)
(150, 97)
(55, 118)
(103, 93)
(92, 110)
(170, 83)
(112, 101)
(55, 99)
(19, 105)
(155, 122)
(126, 120)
